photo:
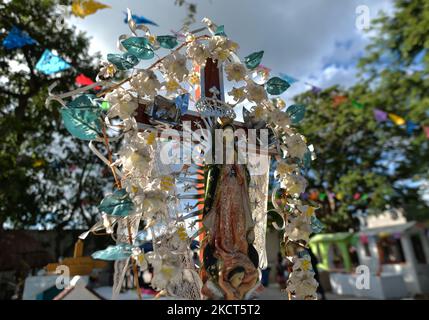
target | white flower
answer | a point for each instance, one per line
(175, 66)
(135, 156)
(235, 71)
(139, 257)
(301, 282)
(307, 210)
(238, 94)
(163, 270)
(279, 103)
(303, 286)
(153, 203)
(108, 222)
(107, 70)
(255, 92)
(135, 161)
(122, 104)
(171, 85)
(194, 79)
(294, 184)
(284, 168)
(296, 146)
(298, 228)
(220, 48)
(302, 264)
(152, 40)
(280, 118)
(190, 37)
(198, 53)
(145, 83)
(259, 112)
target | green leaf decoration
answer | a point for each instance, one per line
(84, 101)
(167, 42)
(105, 106)
(307, 160)
(117, 204)
(296, 113)
(81, 118)
(316, 225)
(357, 105)
(276, 86)
(139, 46)
(120, 251)
(253, 60)
(220, 31)
(123, 61)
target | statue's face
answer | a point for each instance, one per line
(237, 279)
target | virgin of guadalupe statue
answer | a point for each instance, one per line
(230, 261)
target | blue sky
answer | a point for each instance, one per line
(315, 41)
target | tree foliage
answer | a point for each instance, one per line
(373, 166)
(47, 178)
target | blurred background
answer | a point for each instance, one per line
(360, 67)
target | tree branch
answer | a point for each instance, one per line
(13, 94)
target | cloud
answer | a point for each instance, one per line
(313, 40)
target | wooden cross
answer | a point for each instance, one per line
(211, 77)
(211, 81)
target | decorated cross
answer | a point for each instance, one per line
(232, 219)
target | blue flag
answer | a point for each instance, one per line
(411, 126)
(139, 19)
(17, 38)
(50, 63)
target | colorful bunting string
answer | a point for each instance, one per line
(411, 126)
(338, 100)
(139, 19)
(83, 8)
(380, 115)
(85, 81)
(399, 121)
(314, 89)
(357, 104)
(17, 38)
(315, 195)
(49, 63)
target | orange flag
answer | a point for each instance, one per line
(337, 100)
